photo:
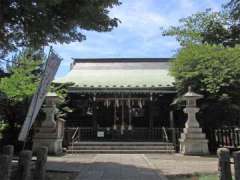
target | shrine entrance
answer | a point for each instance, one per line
(120, 117)
(120, 114)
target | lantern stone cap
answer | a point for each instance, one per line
(191, 94)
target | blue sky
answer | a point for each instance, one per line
(139, 34)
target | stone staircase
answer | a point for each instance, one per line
(121, 147)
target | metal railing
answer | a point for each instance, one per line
(156, 134)
(165, 134)
(75, 137)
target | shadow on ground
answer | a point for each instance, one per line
(107, 170)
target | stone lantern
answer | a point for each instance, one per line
(193, 141)
(51, 131)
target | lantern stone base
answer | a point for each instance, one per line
(47, 136)
(193, 142)
(54, 145)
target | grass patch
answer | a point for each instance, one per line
(209, 177)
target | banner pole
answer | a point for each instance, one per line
(37, 94)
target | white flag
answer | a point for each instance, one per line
(51, 68)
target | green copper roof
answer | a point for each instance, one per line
(119, 75)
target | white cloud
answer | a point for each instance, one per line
(138, 18)
(139, 34)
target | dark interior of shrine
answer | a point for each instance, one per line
(146, 110)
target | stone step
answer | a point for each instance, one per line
(120, 151)
(122, 143)
(121, 147)
(85, 147)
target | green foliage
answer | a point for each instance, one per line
(16, 91)
(206, 27)
(234, 8)
(17, 88)
(22, 82)
(213, 69)
(195, 28)
(62, 91)
(215, 72)
(38, 23)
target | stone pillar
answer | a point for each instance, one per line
(236, 157)
(193, 141)
(8, 150)
(51, 132)
(24, 165)
(5, 167)
(40, 168)
(224, 167)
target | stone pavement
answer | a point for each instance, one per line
(107, 167)
(131, 166)
(120, 167)
(177, 164)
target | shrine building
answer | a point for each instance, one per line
(127, 99)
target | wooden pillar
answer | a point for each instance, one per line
(150, 114)
(172, 126)
(115, 116)
(129, 115)
(94, 116)
(151, 133)
(122, 123)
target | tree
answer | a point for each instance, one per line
(209, 60)
(234, 8)
(37, 23)
(16, 90)
(215, 72)
(206, 27)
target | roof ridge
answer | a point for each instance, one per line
(102, 60)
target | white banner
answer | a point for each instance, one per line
(51, 68)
